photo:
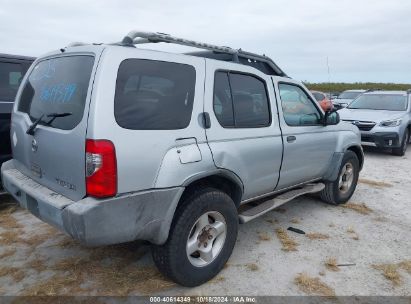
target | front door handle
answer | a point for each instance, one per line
(291, 139)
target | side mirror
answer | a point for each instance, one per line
(331, 118)
(337, 107)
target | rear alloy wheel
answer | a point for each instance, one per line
(201, 239)
(404, 145)
(206, 239)
(340, 191)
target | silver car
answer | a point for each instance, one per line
(384, 119)
(114, 143)
(345, 98)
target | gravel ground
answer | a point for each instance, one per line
(373, 236)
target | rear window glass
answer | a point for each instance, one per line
(154, 95)
(11, 75)
(57, 86)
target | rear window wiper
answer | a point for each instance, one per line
(56, 115)
(53, 116)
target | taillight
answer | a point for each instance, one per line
(101, 168)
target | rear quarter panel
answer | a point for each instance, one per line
(146, 158)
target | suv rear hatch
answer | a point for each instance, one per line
(56, 94)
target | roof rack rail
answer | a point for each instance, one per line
(76, 43)
(372, 90)
(139, 37)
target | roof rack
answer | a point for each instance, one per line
(238, 56)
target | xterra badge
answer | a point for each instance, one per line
(66, 184)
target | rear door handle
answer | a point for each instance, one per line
(291, 139)
(206, 120)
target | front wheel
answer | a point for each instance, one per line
(340, 191)
(201, 239)
(404, 145)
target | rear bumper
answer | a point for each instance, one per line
(381, 139)
(5, 149)
(144, 215)
(3, 158)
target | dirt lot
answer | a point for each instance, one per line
(371, 235)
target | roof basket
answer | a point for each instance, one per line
(239, 56)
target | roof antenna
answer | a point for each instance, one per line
(329, 78)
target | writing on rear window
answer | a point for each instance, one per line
(46, 70)
(63, 92)
(58, 85)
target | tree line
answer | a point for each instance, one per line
(342, 86)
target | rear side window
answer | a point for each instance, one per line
(240, 101)
(154, 95)
(223, 103)
(56, 86)
(10, 78)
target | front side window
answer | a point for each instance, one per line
(57, 86)
(240, 101)
(298, 108)
(10, 78)
(154, 95)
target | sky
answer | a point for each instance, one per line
(364, 41)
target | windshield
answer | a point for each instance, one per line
(58, 85)
(349, 95)
(380, 102)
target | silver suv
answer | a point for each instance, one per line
(113, 143)
(383, 117)
(344, 99)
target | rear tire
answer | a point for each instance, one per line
(404, 144)
(201, 240)
(340, 191)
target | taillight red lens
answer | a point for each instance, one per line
(101, 168)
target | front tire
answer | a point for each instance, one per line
(340, 191)
(201, 239)
(404, 145)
